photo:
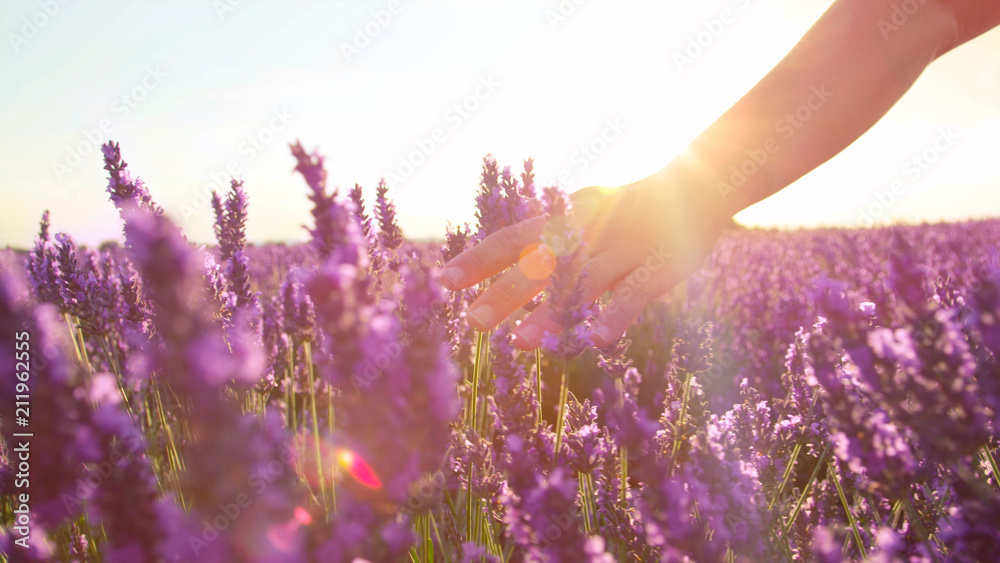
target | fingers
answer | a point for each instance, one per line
(601, 272)
(492, 255)
(504, 247)
(627, 301)
(512, 290)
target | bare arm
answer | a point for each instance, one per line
(845, 73)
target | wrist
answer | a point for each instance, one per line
(694, 189)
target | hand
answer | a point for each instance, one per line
(642, 239)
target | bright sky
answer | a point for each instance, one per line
(192, 87)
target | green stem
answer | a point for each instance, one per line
(805, 491)
(116, 369)
(437, 536)
(787, 475)
(538, 381)
(795, 451)
(847, 507)
(315, 422)
(679, 427)
(993, 464)
(290, 417)
(176, 464)
(622, 450)
(474, 396)
(586, 486)
(563, 392)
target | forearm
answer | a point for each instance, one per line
(838, 81)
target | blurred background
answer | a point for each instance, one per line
(599, 93)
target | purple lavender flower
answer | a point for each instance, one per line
(490, 208)
(613, 359)
(968, 526)
(399, 423)
(84, 291)
(61, 439)
(566, 293)
(335, 225)
(297, 312)
(344, 308)
(241, 307)
(628, 423)
(667, 507)
(231, 448)
(527, 191)
(544, 522)
(587, 446)
(390, 236)
(618, 522)
(75, 433)
(367, 231)
(174, 273)
(122, 187)
(139, 523)
(230, 232)
(473, 463)
(514, 402)
(41, 267)
(458, 332)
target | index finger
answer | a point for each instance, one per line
(494, 254)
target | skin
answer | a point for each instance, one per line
(645, 237)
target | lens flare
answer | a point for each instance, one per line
(302, 516)
(358, 468)
(286, 537)
(537, 261)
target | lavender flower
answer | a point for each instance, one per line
(613, 359)
(586, 445)
(566, 294)
(490, 209)
(390, 236)
(367, 232)
(174, 271)
(122, 187)
(545, 523)
(514, 403)
(243, 314)
(75, 433)
(41, 267)
(457, 331)
(335, 225)
(231, 448)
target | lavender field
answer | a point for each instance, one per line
(819, 395)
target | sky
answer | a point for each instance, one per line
(598, 93)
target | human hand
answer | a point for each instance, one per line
(642, 239)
